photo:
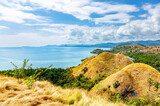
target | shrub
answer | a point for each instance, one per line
(116, 84)
(115, 97)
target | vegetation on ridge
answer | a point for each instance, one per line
(139, 53)
(147, 58)
(57, 76)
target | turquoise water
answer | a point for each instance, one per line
(59, 57)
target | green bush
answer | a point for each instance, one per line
(116, 84)
(115, 97)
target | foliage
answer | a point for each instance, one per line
(142, 102)
(29, 82)
(127, 48)
(98, 51)
(57, 76)
(116, 84)
(147, 58)
(115, 97)
(84, 70)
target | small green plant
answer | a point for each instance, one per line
(84, 70)
(23, 71)
(115, 97)
(29, 82)
(116, 84)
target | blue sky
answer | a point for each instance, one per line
(47, 22)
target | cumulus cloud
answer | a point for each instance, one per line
(144, 28)
(15, 12)
(139, 29)
(82, 34)
(84, 8)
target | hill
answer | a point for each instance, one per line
(103, 64)
(140, 54)
(127, 48)
(136, 80)
(135, 48)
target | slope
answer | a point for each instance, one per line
(134, 81)
(104, 63)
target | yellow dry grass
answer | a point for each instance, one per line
(136, 75)
(14, 92)
(104, 63)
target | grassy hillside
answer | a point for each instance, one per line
(127, 48)
(15, 92)
(139, 53)
(134, 81)
(103, 64)
(135, 48)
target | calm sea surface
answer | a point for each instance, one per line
(59, 57)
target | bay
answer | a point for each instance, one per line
(59, 57)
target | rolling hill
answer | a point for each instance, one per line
(134, 81)
(103, 64)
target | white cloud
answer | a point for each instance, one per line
(114, 18)
(84, 8)
(3, 27)
(15, 12)
(82, 34)
(144, 27)
(139, 29)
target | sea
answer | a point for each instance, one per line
(57, 56)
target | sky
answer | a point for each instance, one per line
(50, 22)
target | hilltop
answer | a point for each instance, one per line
(136, 80)
(103, 64)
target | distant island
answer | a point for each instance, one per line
(110, 45)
